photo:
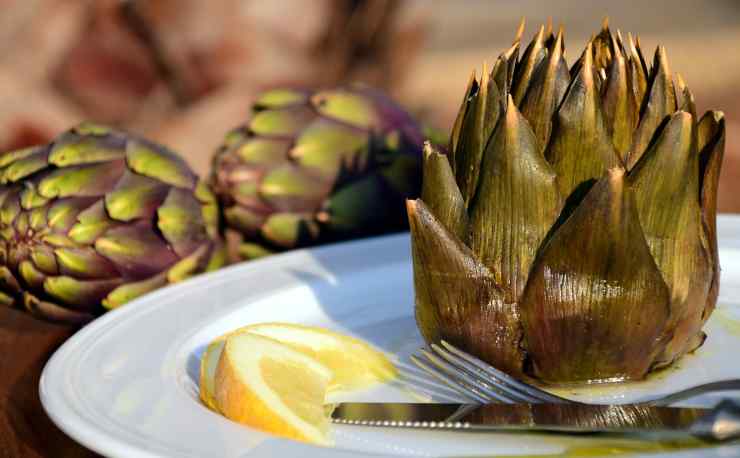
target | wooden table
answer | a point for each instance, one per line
(26, 344)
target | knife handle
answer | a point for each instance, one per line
(722, 423)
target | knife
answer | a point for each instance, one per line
(721, 423)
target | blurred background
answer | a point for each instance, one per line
(183, 72)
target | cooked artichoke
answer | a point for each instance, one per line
(96, 218)
(569, 232)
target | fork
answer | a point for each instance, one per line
(480, 382)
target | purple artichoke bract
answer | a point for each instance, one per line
(312, 167)
(569, 234)
(97, 218)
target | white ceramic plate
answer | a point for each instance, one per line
(126, 385)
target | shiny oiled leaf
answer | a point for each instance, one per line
(666, 184)
(530, 59)
(515, 205)
(659, 102)
(580, 148)
(711, 141)
(470, 91)
(441, 194)
(472, 142)
(589, 311)
(621, 109)
(456, 296)
(546, 90)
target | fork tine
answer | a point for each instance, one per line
(505, 379)
(463, 377)
(486, 383)
(459, 388)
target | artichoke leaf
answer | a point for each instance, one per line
(84, 263)
(25, 166)
(324, 144)
(621, 109)
(711, 142)
(81, 295)
(91, 223)
(289, 229)
(64, 213)
(87, 180)
(180, 220)
(659, 102)
(49, 310)
(666, 185)
(532, 56)
(132, 290)
(515, 205)
(472, 141)
(277, 98)
(8, 157)
(136, 250)
(189, 265)
(470, 91)
(290, 187)
(135, 197)
(74, 150)
(456, 295)
(159, 164)
(580, 148)
(440, 193)
(547, 89)
(346, 106)
(685, 98)
(595, 315)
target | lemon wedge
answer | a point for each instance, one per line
(267, 385)
(353, 363)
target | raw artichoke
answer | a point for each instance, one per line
(569, 234)
(315, 167)
(97, 218)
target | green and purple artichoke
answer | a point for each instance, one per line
(570, 233)
(97, 218)
(311, 167)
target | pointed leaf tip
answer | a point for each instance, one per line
(515, 204)
(440, 192)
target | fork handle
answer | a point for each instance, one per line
(722, 423)
(720, 385)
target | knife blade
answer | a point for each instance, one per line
(718, 424)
